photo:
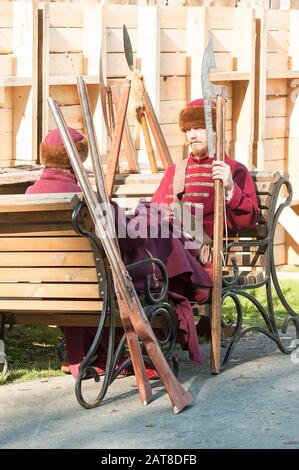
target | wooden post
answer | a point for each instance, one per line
(156, 131)
(218, 242)
(128, 140)
(117, 137)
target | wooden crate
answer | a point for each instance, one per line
(277, 113)
(71, 43)
(18, 83)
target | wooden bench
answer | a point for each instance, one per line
(51, 275)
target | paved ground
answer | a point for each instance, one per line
(254, 404)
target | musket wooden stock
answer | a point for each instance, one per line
(117, 137)
(156, 131)
(217, 242)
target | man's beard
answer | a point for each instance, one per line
(198, 151)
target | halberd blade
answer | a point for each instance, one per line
(128, 48)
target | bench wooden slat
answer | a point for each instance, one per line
(37, 229)
(246, 259)
(44, 244)
(80, 274)
(45, 291)
(46, 259)
(61, 319)
(49, 306)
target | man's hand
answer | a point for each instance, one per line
(221, 171)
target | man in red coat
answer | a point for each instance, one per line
(192, 181)
(200, 171)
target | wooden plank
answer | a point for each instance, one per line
(72, 115)
(117, 65)
(173, 88)
(65, 40)
(6, 146)
(276, 106)
(173, 17)
(59, 319)
(49, 291)
(275, 149)
(279, 165)
(66, 64)
(47, 259)
(277, 41)
(220, 18)
(6, 43)
(115, 39)
(276, 127)
(277, 20)
(6, 14)
(63, 15)
(223, 40)
(116, 14)
(6, 121)
(277, 61)
(173, 64)
(173, 135)
(135, 190)
(277, 87)
(44, 244)
(65, 95)
(169, 111)
(173, 40)
(48, 274)
(246, 259)
(225, 61)
(6, 97)
(48, 306)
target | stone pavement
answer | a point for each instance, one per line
(251, 405)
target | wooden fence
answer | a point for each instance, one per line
(45, 45)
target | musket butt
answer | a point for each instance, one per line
(186, 402)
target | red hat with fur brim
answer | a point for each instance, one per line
(53, 153)
(193, 116)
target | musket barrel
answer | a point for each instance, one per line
(92, 202)
(95, 154)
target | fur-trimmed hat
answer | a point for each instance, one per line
(193, 116)
(53, 153)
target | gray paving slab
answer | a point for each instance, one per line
(254, 404)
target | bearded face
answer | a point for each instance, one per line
(198, 141)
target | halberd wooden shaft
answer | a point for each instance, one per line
(217, 241)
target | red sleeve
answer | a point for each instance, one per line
(242, 208)
(165, 188)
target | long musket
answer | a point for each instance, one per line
(211, 91)
(132, 339)
(127, 294)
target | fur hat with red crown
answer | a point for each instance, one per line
(193, 116)
(53, 153)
